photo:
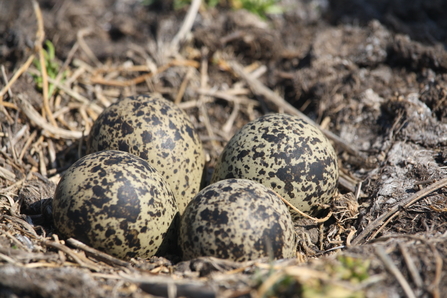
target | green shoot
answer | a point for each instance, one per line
(258, 7)
(51, 66)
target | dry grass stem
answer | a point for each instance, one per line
(186, 26)
(389, 265)
(77, 96)
(40, 36)
(403, 203)
(229, 96)
(81, 261)
(32, 114)
(16, 75)
(374, 235)
(417, 279)
(435, 284)
(182, 88)
(98, 79)
(317, 220)
(97, 254)
(80, 39)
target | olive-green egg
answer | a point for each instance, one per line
(237, 219)
(286, 154)
(158, 131)
(117, 203)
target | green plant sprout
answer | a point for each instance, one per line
(352, 269)
(339, 280)
(286, 286)
(258, 7)
(51, 66)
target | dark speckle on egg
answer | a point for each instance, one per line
(116, 202)
(158, 131)
(237, 219)
(286, 154)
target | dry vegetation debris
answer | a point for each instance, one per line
(377, 87)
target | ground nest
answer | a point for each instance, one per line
(371, 74)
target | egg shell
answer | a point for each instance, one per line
(158, 131)
(286, 154)
(117, 203)
(237, 219)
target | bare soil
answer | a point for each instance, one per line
(372, 74)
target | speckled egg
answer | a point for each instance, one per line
(158, 131)
(237, 219)
(286, 154)
(118, 203)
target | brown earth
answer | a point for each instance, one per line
(373, 73)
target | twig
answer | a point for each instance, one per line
(8, 175)
(72, 254)
(187, 24)
(350, 236)
(389, 265)
(77, 96)
(42, 164)
(18, 73)
(321, 234)
(402, 204)
(67, 61)
(61, 255)
(411, 266)
(2, 107)
(21, 246)
(358, 190)
(202, 106)
(9, 260)
(182, 88)
(12, 187)
(384, 224)
(142, 78)
(350, 184)
(120, 68)
(40, 35)
(32, 114)
(317, 220)
(97, 254)
(169, 287)
(5, 78)
(226, 128)
(226, 95)
(80, 38)
(19, 223)
(434, 286)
